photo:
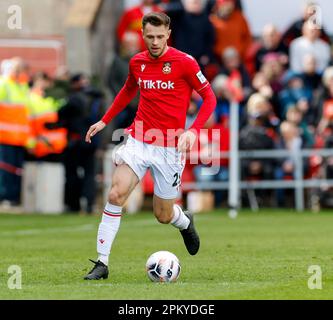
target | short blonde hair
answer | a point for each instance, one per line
(255, 103)
(289, 129)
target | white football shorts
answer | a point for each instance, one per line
(165, 163)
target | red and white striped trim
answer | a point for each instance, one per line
(110, 214)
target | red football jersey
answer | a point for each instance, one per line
(165, 85)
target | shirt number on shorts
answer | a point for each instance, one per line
(177, 179)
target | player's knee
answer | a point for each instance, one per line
(116, 198)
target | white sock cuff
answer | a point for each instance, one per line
(179, 219)
(112, 209)
(176, 213)
(104, 258)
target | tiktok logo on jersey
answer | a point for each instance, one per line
(157, 84)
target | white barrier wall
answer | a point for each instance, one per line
(43, 187)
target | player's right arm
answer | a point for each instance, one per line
(123, 98)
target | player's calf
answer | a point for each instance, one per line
(163, 209)
(164, 219)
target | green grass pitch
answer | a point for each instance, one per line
(263, 255)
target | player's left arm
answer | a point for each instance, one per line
(199, 83)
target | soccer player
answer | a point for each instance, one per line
(157, 141)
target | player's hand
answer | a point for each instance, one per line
(95, 128)
(186, 141)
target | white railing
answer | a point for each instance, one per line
(298, 184)
(235, 185)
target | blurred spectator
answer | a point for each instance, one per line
(271, 74)
(260, 84)
(290, 139)
(47, 144)
(14, 129)
(233, 67)
(211, 142)
(192, 31)
(273, 69)
(192, 110)
(228, 90)
(294, 94)
(59, 87)
(129, 46)
(131, 20)
(295, 30)
(270, 43)
(231, 28)
(322, 167)
(83, 108)
(295, 117)
(258, 134)
(311, 77)
(224, 97)
(325, 104)
(309, 43)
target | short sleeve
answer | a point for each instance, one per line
(193, 75)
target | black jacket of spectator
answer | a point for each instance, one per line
(83, 109)
(254, 137)
(116, 78)
(322, 95)
(192, 33)
(312, 81)
(281, 49)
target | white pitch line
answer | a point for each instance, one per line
(85, 227)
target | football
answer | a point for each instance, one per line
(163, 266)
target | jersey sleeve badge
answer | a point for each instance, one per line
(201, 77)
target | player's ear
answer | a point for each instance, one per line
(169, 33)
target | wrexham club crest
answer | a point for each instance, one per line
(166, 68)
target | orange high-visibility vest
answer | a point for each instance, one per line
(47, 141)
(14, 124)
(42, 111)
(14, 113)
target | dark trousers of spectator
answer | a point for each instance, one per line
(11, 159)
(209, 174)
(80, 178)
(282, 194)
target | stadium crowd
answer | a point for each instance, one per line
(45, 120)
(282, 81)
